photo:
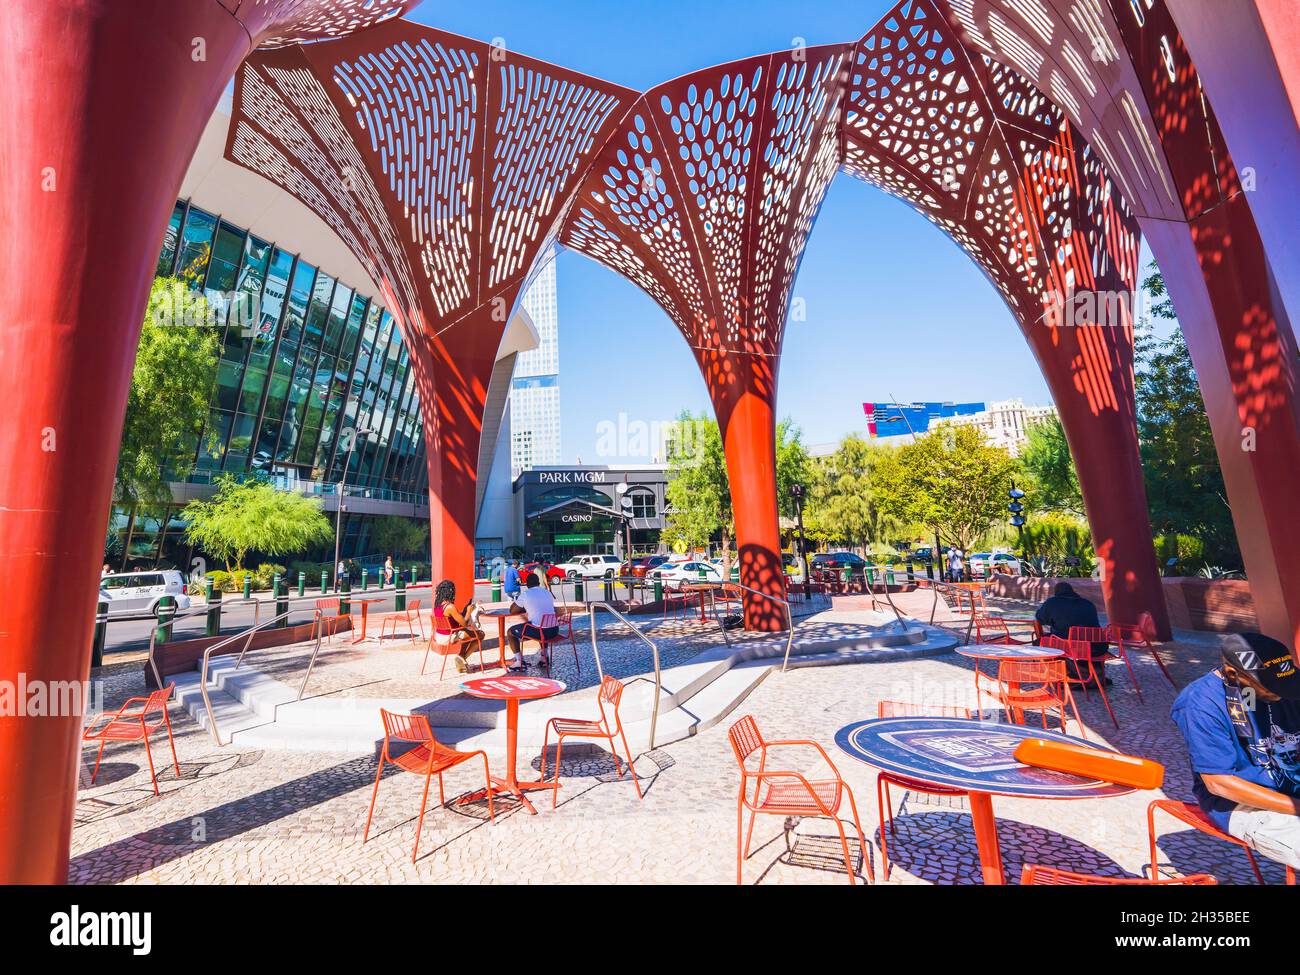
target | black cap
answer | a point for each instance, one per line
(1266, 661)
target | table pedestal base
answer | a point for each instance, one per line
(506, 787)
(986, 837)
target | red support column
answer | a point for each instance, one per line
(743, 399)
(105, 102)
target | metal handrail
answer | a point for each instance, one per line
(591, 613)
(789, 615)
(871, 586)
(207, 656)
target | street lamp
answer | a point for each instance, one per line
(1017, 515)
(796, 492)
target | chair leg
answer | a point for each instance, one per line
(1151, 832)
(630, 766)
(442, 671)
(373, 796)
(1077, 720)
(442, 796)
(740, 829)
(152, 774)
(880, 803)
(99, 757)
(1131, 676)
(555, 793)
(426, 660)
(172, 741)
(546, 739)
(749, 833)
(487, 784)
(419, 825)
(1163, 669)
(862, 837)
(1104, 699)
(844, 845)
(1254, 864)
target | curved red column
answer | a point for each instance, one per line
(991, 161)
(445, 164)
(104, 105)
(705, 199)
(102, 116)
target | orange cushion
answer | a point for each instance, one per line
(1092, 763)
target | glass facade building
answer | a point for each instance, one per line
(314, 385)
(535, 390)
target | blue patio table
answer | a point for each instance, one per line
(974, 757)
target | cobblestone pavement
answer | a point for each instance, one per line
(247, 816)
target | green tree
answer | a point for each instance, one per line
(171, 386)
(254, 516)
(1046, 461)
(948, 480)
(1184, 482)
(395, 535)
(843, 507)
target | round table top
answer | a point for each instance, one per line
(507, 611)
(970, 755)
(365, 599)
(702, 585)
(520, 688)
(1009, 651)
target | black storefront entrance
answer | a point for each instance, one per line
(571, 511)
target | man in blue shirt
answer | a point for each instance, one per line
(511, 579)
(1242, 728)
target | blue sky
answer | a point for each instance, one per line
(894, 308)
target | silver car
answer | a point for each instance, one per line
(138, 593)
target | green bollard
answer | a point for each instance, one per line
(399, 602)
(281, 592)
(248, 585)
(101, 631)
(214, 609)
(345, 590)
(365, 579)
(166, 613)
(659, 590)
(415, 574)
(496, 591)
(324, 582)
(870, 574)
(579, 593)
(889, 576)
(302, 583)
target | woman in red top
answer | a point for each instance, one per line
(451, 624)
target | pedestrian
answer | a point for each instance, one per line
(340, 573)
(388, 571)
(452, 624)
(105, 571)
(537, 602)
(1066, 609)
(511, 579)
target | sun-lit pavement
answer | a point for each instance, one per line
(246, 816)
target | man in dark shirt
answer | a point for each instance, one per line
(1064, 609)
(1242, 728)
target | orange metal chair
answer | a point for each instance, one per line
(452, 648)
(1135, 635)
(902, 709)
(1194, 816)
(330, 623)
(1036, 875)
(1079, 652)
(1101, 634)
(994, 629)
(553, 621)
(412, 616)
(1036, 685)
(427, 757)
(787, 793)
(124, 725)
(611, 693)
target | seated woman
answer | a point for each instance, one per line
(451, 624)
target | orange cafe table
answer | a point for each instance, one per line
(501, 615)
(975, 757)
(512, 690)
(364, 602)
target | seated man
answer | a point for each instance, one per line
(537, 602)
(1064, 609)
(1242, 727)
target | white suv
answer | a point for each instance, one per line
(138, 593)
(591, 567)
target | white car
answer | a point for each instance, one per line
(982, 564)
(591, 567)
(676, 574)
(138, 593)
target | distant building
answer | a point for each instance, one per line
(1004, 424)
(535, 389)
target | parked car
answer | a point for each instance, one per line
(138, 593)
(837, 561)
(639, 566)
(985, 563)
(553, 572)
(590, 567)
(676, 574)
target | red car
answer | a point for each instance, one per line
(639, 566)
(552, 573)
